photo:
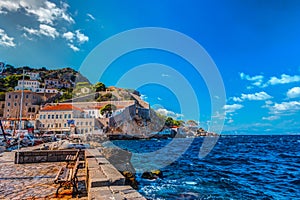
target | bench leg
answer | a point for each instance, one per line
(75, 186)
(60, 186)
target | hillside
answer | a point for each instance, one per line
(10, 76)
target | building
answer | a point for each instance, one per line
(31, 85)
(30, 107)
(34, 86)
(63, 117)
(2, 105)
(33, 75)
(55, 83)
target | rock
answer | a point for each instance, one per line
(130, 179)
(154, 174)
(157, 173)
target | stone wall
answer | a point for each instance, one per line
(104, 181)
(40, 156)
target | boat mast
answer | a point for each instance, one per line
(20, 123)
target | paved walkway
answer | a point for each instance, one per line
(33, 181)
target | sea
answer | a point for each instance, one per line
(236, 167)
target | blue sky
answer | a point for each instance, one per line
(254, 44)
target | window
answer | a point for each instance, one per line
(90, 123)
(56, 117)
(9, 96)
(29, 109)
(16, 96)
(15, 104)
(32, 109)
(48, 116)
(27, 96)
(65, 125)
(41, 117)
(86, 123)
(8, 104)
(52, 117)
(60, 116)
(69, 116)
(66, 116)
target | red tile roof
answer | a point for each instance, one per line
(60, 107)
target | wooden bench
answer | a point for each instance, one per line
(67, 177)
(72, 158)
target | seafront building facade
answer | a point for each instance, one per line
(64, 118)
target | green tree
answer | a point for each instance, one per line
(99, 87)
(2, 96)
(109, 108)
(107, 97)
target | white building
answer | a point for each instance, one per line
(62, 117)
(93, 113)
(33, 76)
(34, 86)
(31, 85)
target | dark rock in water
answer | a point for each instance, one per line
(154, 174)
(148, 175)
(130, 179)
(157, 173)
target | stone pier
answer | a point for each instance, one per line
(105, 181)
(33, 177)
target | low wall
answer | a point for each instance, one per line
(39, 156)
(104, 181)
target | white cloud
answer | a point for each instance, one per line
(165, 75)
(74, 48)
(269, 102)
(44, 30)
(256, 80)
(230, 121)
(284, 79)
(69, 36)
(45, 11)
(293, 92)
(81, 37)
(5, 40)
(9, 5)
(287, 106)
(258, 96)
(169, 113)
(232, 108)
(271, 118)
(77, 37)
(144, 97)
(90, 16)
(237, 99)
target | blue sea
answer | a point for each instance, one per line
(238, 167)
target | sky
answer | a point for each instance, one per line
(254, 45)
